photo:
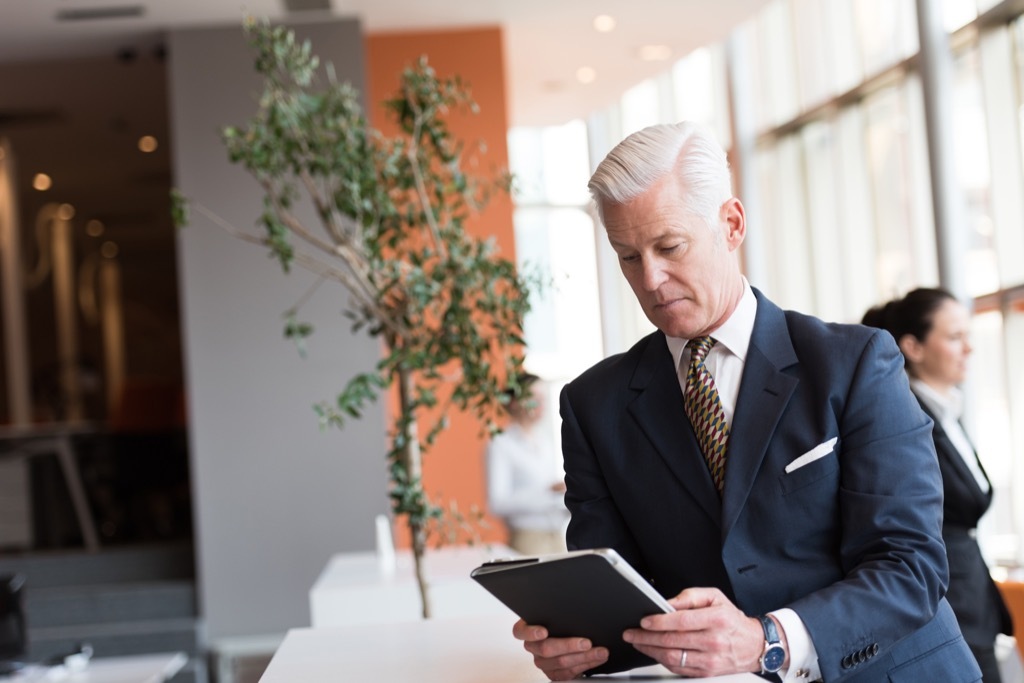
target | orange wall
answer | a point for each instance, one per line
(454, 467)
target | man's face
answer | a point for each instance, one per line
(685, 276)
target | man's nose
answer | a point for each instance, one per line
(653, 274)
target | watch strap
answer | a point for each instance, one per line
(771, 634)
(774, 655)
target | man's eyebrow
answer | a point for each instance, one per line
(666, 234)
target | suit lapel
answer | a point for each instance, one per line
(945, 449)
(765, 391)
(658, 410)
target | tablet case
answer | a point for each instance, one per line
(575, 595)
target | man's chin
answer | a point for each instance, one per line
(675, 328)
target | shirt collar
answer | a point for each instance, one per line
(734, 334)
(945, 406)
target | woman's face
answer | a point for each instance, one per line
(529, 409)
(940, 360)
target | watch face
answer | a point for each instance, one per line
(773, 659)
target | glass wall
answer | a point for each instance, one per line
(840, 189)
(555, 239)
(845, 187)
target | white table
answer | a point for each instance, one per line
(466, 650)
(131, 669)
(355, 588)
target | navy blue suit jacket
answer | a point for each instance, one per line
(852, 541)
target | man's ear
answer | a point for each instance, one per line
(734, 219)
(912, 349)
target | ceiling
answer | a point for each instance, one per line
(76, 94)
(79, 86)
(546, 41)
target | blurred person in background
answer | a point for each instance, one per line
(932, 330)
(524, 475)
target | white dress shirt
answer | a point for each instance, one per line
(725, 362)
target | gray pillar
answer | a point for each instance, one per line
(936, 62)
(274, 496)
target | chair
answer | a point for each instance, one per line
(1013, 595)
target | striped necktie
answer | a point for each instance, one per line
(704, 408)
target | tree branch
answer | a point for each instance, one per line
(417, 173)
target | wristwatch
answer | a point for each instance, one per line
(774, 654)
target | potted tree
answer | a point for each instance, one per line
(390, 229)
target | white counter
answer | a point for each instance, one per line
(355, 588)
(466, 650)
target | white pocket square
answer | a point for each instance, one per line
(819, 451)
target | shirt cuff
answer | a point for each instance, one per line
(803, 657)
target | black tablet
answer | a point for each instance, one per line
(590, 593)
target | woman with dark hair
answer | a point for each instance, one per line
(931, 328)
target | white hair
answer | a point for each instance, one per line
(685, 149)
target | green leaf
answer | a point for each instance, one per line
(179, 209)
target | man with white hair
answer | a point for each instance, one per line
(770, 471)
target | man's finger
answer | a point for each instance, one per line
(523, 631)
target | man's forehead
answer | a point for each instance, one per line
(632, 235)
(651, 218)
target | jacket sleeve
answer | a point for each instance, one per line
(893, 559)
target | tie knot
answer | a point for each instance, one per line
(699, 348)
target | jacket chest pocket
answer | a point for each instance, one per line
(825, 467)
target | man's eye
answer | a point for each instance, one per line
(668, 249)
(630, 258)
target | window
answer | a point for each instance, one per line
(640, 107)
(956, 13)
(699, 91)
(972, 164)
(989, 424)
(555, 237)
(898, 173)
(887, 31)
(774, 65)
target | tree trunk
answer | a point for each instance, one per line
(414, 470)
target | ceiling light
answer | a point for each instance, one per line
(108, 249)
(604, 23)
(147, 144)
(65, 212)
(586, 75)
(94, 228)
(654, 53)
(42, 182)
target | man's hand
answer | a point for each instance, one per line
(561, 659)
(716, 636)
